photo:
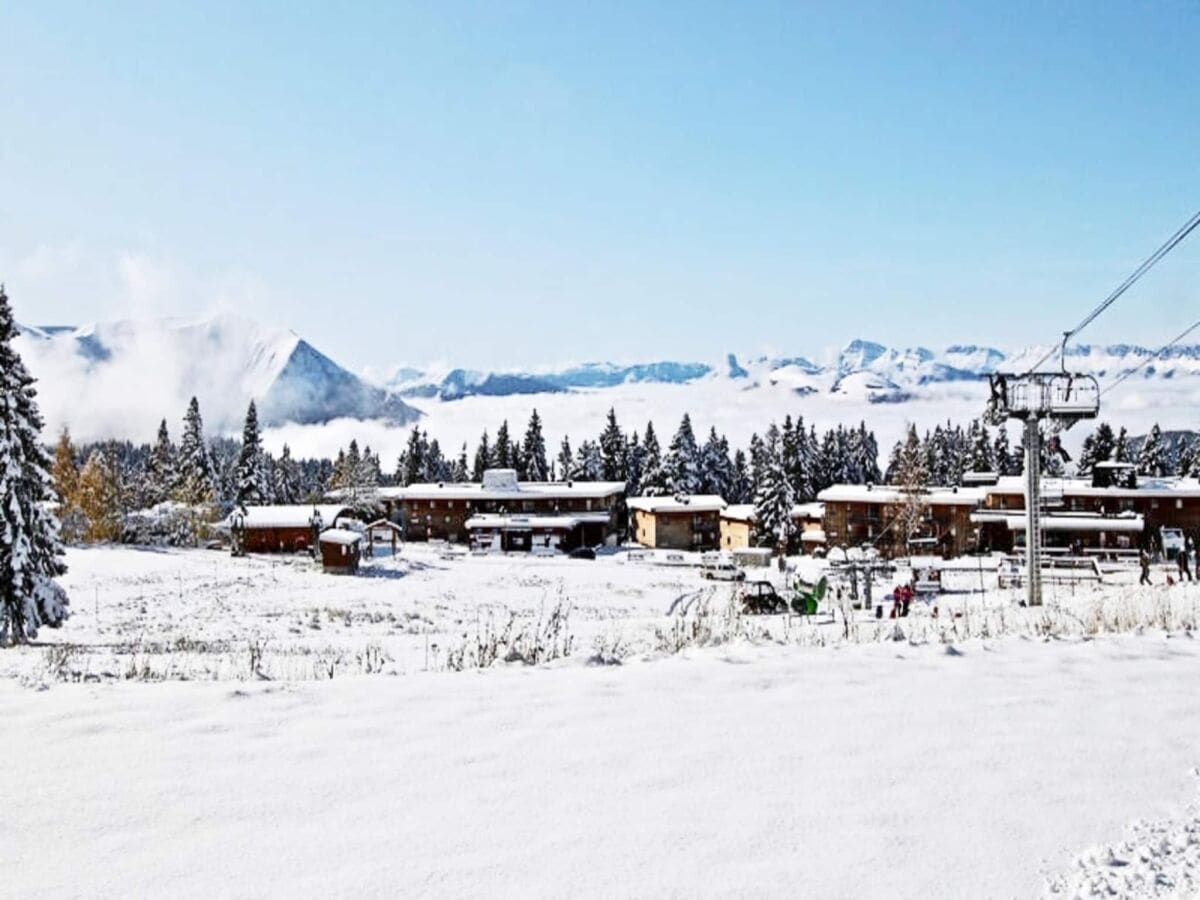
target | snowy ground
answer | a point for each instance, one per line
(797, 759)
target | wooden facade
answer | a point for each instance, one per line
(677, 523)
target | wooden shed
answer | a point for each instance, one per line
(341, 550)
(284, 529)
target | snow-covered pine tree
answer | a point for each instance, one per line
(1121, 447)
(912, 477)
(868, 455)
(613, 449)
(716, 468)
(503, 455)
(461, 472)
(31, 550)
(1187, 457)
(1087, 456)
(196, 485)
(774, 498)
(1152, 454)
(588, 464)
(414, 463)
(1104, 442)
(534, 466)
(483, 458)
(287, 478)
(565, 461)
(682, 464)
(251, 486)
(892, 473)
(635, 458)
(1005, 465)
(740, 491)
(653, 478)
(160, 467)
(757, 460)
(982, 457)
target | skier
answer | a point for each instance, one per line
(1144, 562)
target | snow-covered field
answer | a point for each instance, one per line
(205, 725)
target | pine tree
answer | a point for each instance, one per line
(1005, 465)
(565, 461)
(251, 483)
(160, 468)
(534, 466)
(1087, 456)
(912, 477)
(588, 464)
(613, 450)
(1104, 442)
(682, 464)
(1152, 454)
(415, 465)
(635, 459)
(1121, 447)
(774, 498)
(31, 550)
(502, 450)
(287, 478)
(483, 458)
(740, 491)
(653, 478)
(982, 456)
(196, 485)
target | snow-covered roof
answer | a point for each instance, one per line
(888, 493)
(813, 536)
(681, 503)
(296, 516)
(471, 490)
(1015, 521)
(1147, 486)
(739, 512)
(340, 536)
(808, 511)
(515, 522)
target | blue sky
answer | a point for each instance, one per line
(513, 184)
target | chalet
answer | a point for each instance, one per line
(1113, 509)
(808, 526)
(567, 513)
(341, 550)
(857, 514)
(737, 526)
(682, 522)
(283, 529)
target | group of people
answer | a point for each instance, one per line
(1183, 563)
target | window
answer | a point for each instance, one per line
(446, 519)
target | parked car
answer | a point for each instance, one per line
(720, 567)
(582, 553)
(761, 598)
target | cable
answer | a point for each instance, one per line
(1153, 356)
(1172, 242)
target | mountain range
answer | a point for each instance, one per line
(102, 370)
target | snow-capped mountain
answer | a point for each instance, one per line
(134, 372)
(459, 383)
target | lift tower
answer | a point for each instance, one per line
(1060, 399)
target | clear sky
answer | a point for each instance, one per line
(508, 184)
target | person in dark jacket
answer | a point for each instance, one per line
(1182, 559)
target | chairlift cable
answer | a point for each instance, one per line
(1153, 356)
(1172, 242)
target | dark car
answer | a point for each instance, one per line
(761, 598)
(582, 553)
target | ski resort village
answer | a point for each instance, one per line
(587, 450)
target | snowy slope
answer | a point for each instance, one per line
(119, 378)
(745, 769)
